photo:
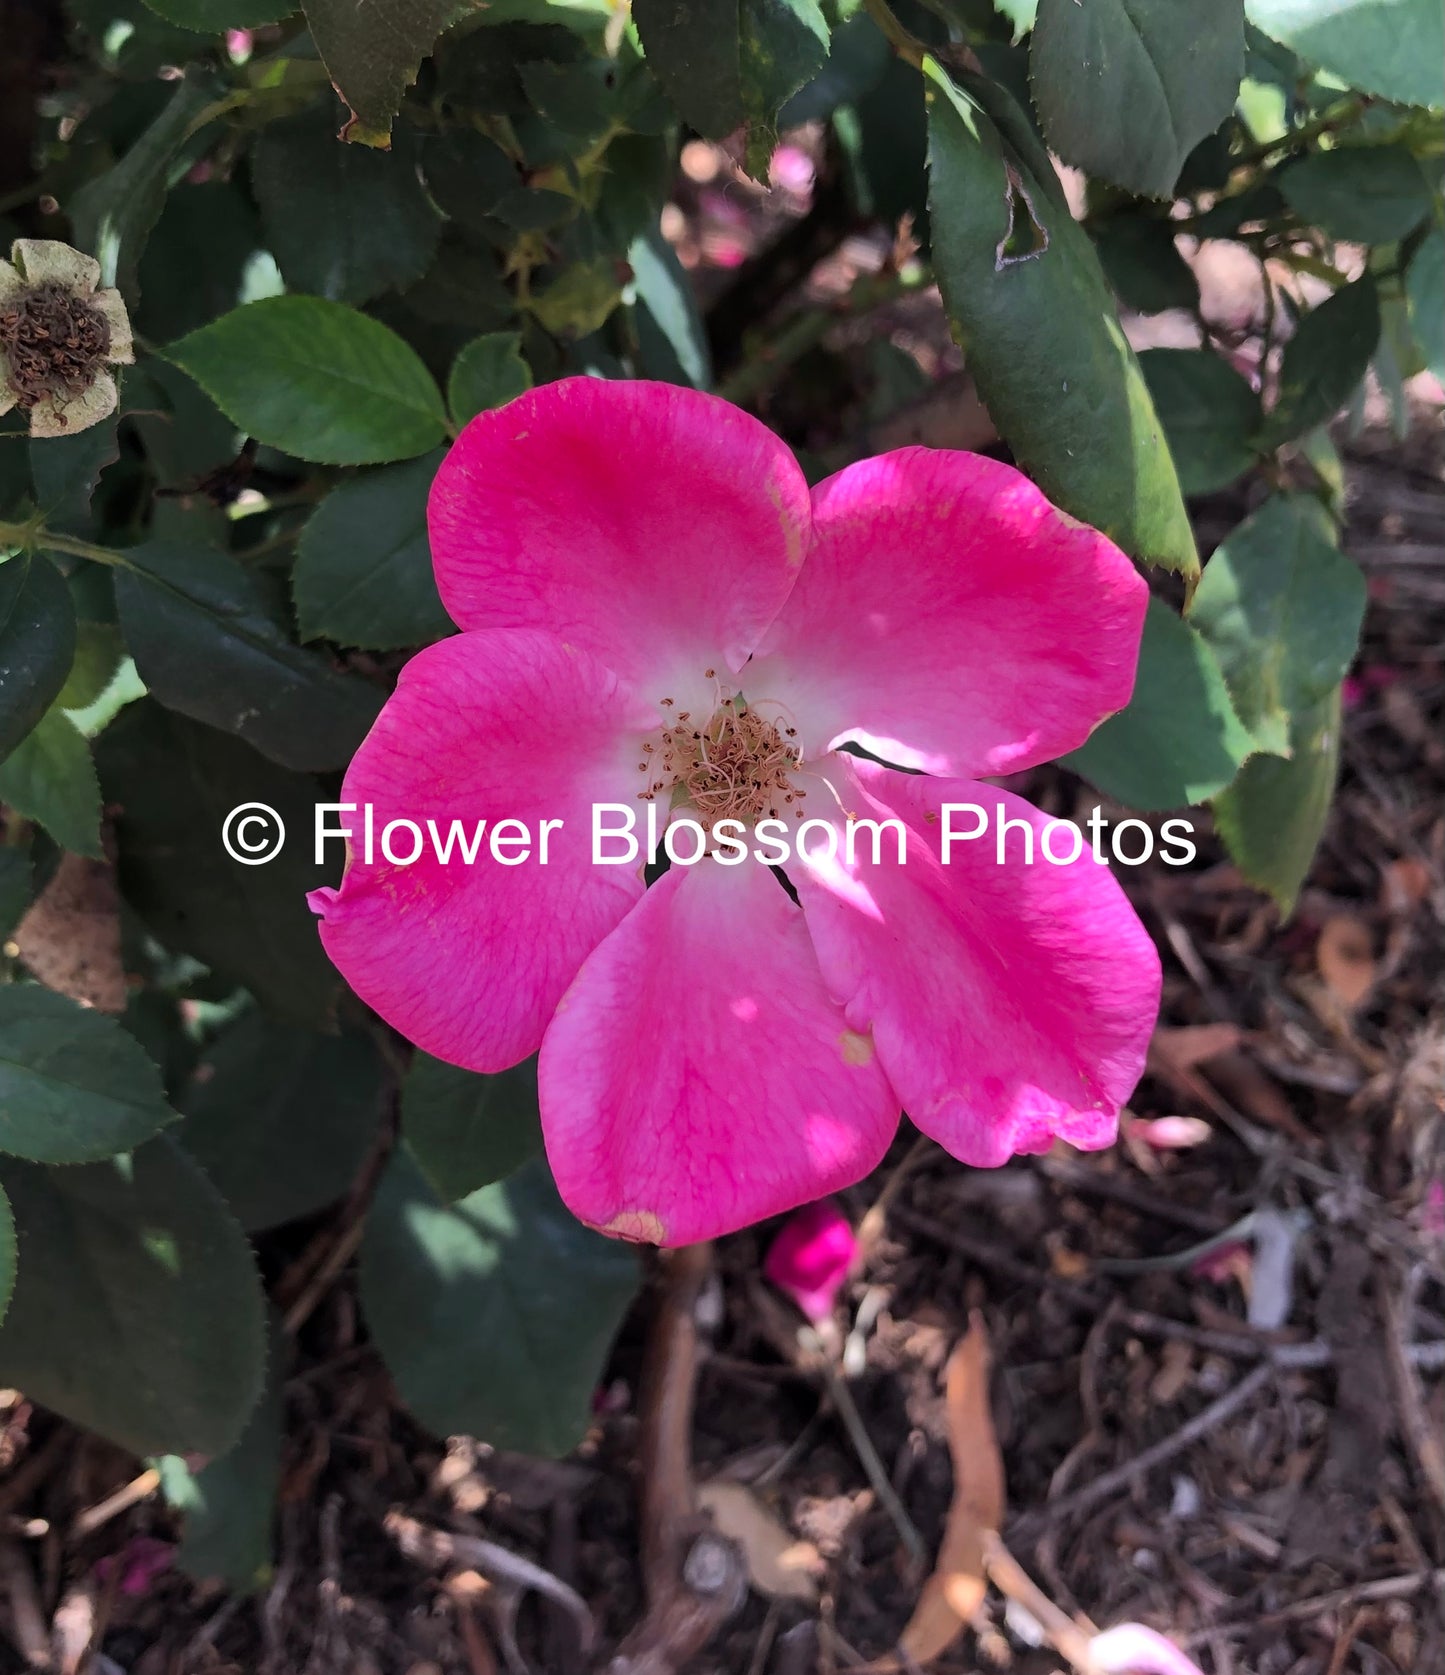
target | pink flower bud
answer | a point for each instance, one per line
(1132, 1649)
(792, 169)
(809, 1259)
(1171, 1134)
(239, 43)
(139, 1563)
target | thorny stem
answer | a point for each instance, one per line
(808, 328)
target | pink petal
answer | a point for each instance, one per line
(469, 960)
(1132, 1649)
(949, 618)
(697, 1077)
(810, 1258)
(1011, 1004)
(658, 528)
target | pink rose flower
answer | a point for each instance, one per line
(656, 608)
(810, 1258)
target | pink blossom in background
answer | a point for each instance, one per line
(792, 169)
(137, 1565)
(655, 607)
(1171, 1134)
(810, 1258)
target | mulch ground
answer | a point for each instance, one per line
(1243, 1447)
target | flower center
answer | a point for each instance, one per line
(54, 341)
(737, 765)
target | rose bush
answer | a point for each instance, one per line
(281, 276)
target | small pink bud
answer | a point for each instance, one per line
(809, 1259)
(1171, 1134)
(1132, 1649)
(239, 43)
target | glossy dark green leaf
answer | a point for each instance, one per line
(1209, 413)
(672, 340)
(1370, 194)
(174, 782)
(280, 1117)
(468, 175)
(1324, 361)
(1273, 816)
(316, 379)
(198, 259)
(204, 645)
(1142, 262)
(66, 469)
(17, 886)
(137, 1309)
(74, 1087)
(186, 437)
(372, 53)
(49, 778)
(724, 63)
(1179, 741)
(488, 373)
(37, 644)
(1127, 88)
(229, 1503)
(494, 1315)
(363, 573)
(343, 221)
(213, 16)
(1425, 290)
(112, 215)
(1282, 606)
(1393, 48)
(466, 1130)
(1027, 300)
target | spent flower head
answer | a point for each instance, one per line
(60, 334)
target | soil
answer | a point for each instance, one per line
(1244, 1449)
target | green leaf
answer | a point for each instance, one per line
(468, 175)
(724, 63)
(7, 1253)
(17, 886)
(671, 338)
(212, 17)
(1425, 291)
(204, 645)
(66, 469)
(229, 1503)
(1209, 413)
(1370, 194)
(372, 53)
(494, 1315)
(112, 215)
(174, 782)
(317, 380)
(37, 644)
(50, 777)
(1393, 48)
(137, 1309)
(281, 1118)
(199, 261)
(1028, 303)
(1281, 605)
(74, 1087)
(488, 373)
(1142, 262)
(1272, 817)
(580, 300)
(344, 221)
(466, 1131)
(1127, 88)
(1324, 361)
(1179, 740)
(363, 573)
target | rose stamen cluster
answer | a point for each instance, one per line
(736, 766)
(56, 344)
